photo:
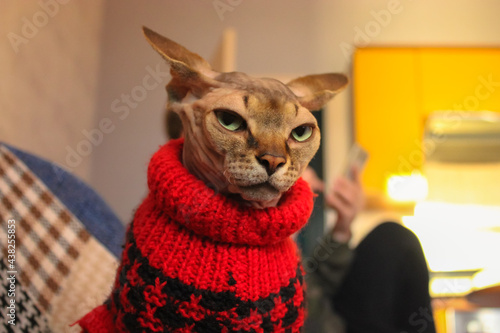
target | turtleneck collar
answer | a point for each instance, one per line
(191, 203)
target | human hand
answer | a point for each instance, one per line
(347, 197)
(310, 176)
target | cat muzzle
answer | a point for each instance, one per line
(262, 192)
(271, 162)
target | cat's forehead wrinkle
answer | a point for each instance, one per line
(268, 86)
(271, 112)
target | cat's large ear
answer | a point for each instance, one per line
(314, 91)
(188, 69)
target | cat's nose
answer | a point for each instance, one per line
(271, 162)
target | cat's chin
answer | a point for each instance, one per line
(258, 196)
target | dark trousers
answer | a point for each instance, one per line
(386, 287)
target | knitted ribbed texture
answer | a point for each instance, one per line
(197, 261)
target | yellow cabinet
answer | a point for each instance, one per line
(395, 89)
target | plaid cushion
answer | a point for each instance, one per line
(29, 318)
(85, 204)
(58, 262)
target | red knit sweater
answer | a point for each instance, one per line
(197, 261)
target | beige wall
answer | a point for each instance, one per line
(56, 97)
(49, 67)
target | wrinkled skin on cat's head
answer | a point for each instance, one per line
(246, 137)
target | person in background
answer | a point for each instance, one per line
(381, 286)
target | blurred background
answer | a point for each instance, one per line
(80, 86)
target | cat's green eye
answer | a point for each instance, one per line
(230, 120)
(302, 133)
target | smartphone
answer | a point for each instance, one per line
(357, 157)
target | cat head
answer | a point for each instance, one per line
(247, 137)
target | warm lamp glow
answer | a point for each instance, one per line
(407, 188)
(487, 277)
(450, 286)
(457, 237)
